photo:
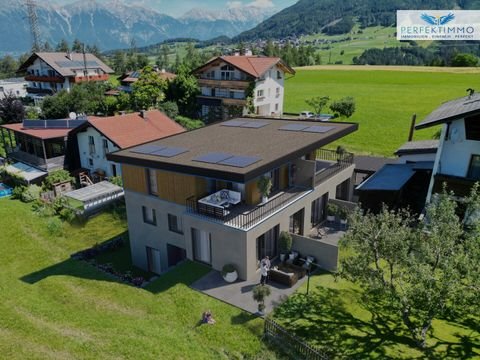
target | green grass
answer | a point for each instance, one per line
(55, 307)
(386, 101)
(333, 317)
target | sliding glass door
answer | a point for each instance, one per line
(202, 246)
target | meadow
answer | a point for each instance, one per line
(386, 98)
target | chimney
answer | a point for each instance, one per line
(143, 114)
(69, 55)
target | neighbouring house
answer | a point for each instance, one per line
(37, 147)
(227, 82)
(15, 86)
(403, 182)
(50, 72)
(99, 136)
(128, 79)
(457, 161)
(196, 195)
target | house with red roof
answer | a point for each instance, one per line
(233, 86)
(99, 136)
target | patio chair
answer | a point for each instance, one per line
(321, 232)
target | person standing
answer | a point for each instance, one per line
(263, 273)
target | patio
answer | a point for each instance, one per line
(239, 293)
(331, 233)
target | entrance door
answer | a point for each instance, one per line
(318, 209)
(153, 259)
(175, 255)
(296, 222)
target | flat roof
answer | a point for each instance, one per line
(391, 177)
(43, 134)
(270, 145)
(94, 191)
(418, 147)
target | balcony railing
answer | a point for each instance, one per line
(226, 84)
(78, 79)
(244, 216)
(330, 163)
(44, 78)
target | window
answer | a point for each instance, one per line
(267, 244)
(474, 168)
(259, 93)
(202, 246)
(276, 107)
(149, 216)
(91, 144)
(472, 127)
(174, 224)
(152, 182)
(279, 75)
(210, 74)
(105, 146)
(227, 72)
(90, 162)
(296, 222)
(318, 212)
(114, 170)
(278, 92)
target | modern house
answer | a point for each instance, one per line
(49, 72)
(38, 147)
(457, 161)
(196, 195)
(99, 136)
(228, 83)
(15, 86)
(128, 79)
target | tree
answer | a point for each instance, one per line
(77, 46)
(149, 90)
(420, 271)
(8, 66)
(465, 60)
(119, 62)
(56, 106)
(183, 90)
(11, 109)
(47, 47)
(344, 107)
(317, 103)
(62, 46)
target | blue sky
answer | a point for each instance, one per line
(179, 7)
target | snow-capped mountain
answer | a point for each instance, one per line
(114, 24)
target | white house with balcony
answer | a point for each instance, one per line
(227, 83)
(50, 72)
(14, 86)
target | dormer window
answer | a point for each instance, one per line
(227, 72)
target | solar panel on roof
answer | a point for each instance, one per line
(233, 123)
(77, 64)
(293, 127)
(56, 124)
(169, 152)
(318, 129)
(33, 124)
(147, 149)
(240, 161)
(213, 157)
(255, 124)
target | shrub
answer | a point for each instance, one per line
(54, 226)
(189, 124)
(332, 209)
(285, 242)
(31, 193)
(342, 213)
(228, 268)
(170, 108)
(56, 177)
(116, 180)
(17, 192)
(264, 185)
(43, 209)
(67, 214)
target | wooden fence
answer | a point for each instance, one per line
(291, 343)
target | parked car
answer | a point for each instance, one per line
(323, 117)
(306, 115)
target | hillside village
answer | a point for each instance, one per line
(188, 212)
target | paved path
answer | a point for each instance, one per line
(239, 293)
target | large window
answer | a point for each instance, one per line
(318, 210)
(105, 147)
(474, 168)
(267, 244)
(472, 127)
(227, 72)
(152, 182)
(202, 246)
(149, 216)
(91, 144)
(175, 224)
(296, 222)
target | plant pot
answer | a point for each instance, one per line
(231, 276)
(291, 256)
(264, 199)
(330, 218)
(282, 257)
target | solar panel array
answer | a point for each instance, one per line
(163, 151)
(52, 124)
(77, 64)
(227, 159)
(307, 128)
(246, 124)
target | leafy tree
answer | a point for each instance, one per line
(55, 177)
(162, 60)
(77, 46)
(317, 103)
(170, 108)
(57, 106)
(184, 89)
(119, 62)
(11, 109)
(192, 57)
(465, 60)
(149, 89)
(62, 46)
(344, 107)
(8, 66)
(421, 271)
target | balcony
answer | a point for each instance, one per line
(329, 163)
(244, 216)
(226, 84)
(225, 100)
(51, 164)
(79, 79)
(45, 78)
(34, 90)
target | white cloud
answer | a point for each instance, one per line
(262, 4)
(234, 4)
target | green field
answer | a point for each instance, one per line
(53, 307)
(385, 99)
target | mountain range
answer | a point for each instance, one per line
(114, 24)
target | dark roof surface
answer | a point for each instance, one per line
(271, 145)
(391, 177)
(418, 147)
(451, 110)
(370, 163)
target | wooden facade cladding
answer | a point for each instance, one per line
(178, 188)
(134, 178)
(252, 195)
(284, 180)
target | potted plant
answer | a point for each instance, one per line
(260, 292)
(343, 215)
(332, 211)
(285, 244)
(264, 186)
(340, 152)
(229, 273)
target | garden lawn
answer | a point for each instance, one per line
(385, 99)
(334, 317)
(53, 307)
